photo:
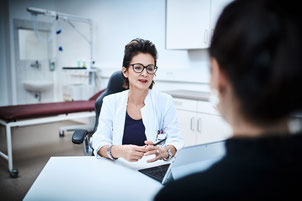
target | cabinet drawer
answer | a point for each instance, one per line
(185, 104)
(207, 108)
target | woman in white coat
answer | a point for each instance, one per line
(132, 121)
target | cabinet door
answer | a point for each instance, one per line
(211, 128)
(187, 124)
(216, 8)
(187, 24)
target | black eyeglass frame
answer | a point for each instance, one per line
(144, 67)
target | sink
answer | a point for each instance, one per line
(37, 86)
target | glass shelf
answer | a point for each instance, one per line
(74, 68)
(79, 68)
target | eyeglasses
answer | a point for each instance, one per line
(138, 68)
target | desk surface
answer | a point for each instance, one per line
(189, 94)
(88, 178)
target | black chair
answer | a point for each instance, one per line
(115, 84)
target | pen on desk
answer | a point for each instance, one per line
(157, 143)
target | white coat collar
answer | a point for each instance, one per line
(148, 117)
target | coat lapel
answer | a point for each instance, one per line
(119, 120)
(149, 118)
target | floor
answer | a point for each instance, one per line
(32, 148)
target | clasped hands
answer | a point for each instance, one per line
(134, 152)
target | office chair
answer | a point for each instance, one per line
(115, 84)
(91, 120)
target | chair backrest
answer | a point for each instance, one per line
(115, 84)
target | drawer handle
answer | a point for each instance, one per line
(199, 125)
(192, 124)
(205, 36)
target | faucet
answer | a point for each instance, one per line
(36, 64)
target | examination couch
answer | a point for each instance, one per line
(33, 114)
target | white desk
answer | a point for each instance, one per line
(88, 178)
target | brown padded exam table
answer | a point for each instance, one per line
(33, 114)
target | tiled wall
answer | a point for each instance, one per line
(24, 60)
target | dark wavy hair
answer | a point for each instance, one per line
(134, 47)
(257, 44)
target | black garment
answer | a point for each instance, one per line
(267, 168)
(134, 131)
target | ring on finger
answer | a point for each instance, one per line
(157, 151)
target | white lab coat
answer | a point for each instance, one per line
(158, 113)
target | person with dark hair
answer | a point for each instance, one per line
(256, 67)
(132, 121)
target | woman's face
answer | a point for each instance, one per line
(143, 79)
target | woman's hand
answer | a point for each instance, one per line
(159, 152)
(128, 152)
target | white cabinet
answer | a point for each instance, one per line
(200, 122)
(187, 125)
(189, 24)
(216, 8)
(211, 128)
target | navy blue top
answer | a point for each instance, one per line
(134, 131)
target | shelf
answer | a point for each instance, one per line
(74, 68)
(79, 68)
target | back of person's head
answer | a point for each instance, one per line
(135, 47)
(257, 44)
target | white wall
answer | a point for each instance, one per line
(4, 55)
(116, 22)
(119, 21)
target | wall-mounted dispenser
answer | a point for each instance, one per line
(52, 64)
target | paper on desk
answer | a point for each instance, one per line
(142, 163)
